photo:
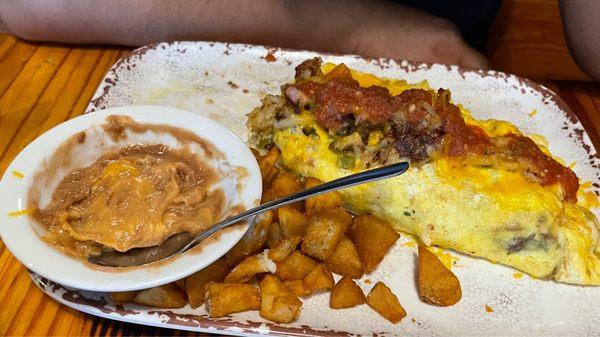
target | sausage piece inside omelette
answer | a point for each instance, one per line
(478, 187)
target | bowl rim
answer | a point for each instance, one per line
(20, 238)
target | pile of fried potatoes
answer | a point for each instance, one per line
(292, 253)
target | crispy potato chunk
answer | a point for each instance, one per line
(373, 238)
(254, 239)
(382, 300)
(165, 296)
(324, 232)
(291, 222)
(323, 201)
(281, 251)
(437, 284)
(226, 298)
(278, 302)
(123, 296)
(252, 265)
(319, 278)
(295, 267)
(346, 294)
(297, 287)
(284, 184)
(275, 235)
(180, 284)
(345, 260)
(195, 283)
(266, 163)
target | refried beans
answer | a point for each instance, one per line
(133, 196)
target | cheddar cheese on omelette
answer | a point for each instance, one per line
(477, 187)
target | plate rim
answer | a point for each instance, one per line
(128, 279)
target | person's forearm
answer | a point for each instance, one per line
(373, 28)
(289, 23)
(580, 19)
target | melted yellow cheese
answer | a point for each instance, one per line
(492, 213)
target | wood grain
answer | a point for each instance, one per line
(44, 85)
(527, 39)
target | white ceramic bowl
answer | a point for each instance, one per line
(20, 233)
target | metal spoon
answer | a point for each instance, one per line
(181, 242)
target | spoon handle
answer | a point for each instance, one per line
(383, 172)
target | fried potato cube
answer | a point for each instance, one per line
(180, 284)
(195, 283)
(325, 230)
(281, 250)
(123, 296)
(291, 222)
(284, 184)
(346, 294)
(345, 260)
(266, 163)
(278, 302)
(297, 287)
(323, 201)
(253, 240)
(250, 266)
(275, 235)
(295, 267)
(382, 300)
(437, 284)
(320, 278)
(373, 238)
(165, 296)
(226, 298)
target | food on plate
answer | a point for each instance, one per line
(291, 222)
(165, 296)
(283, 272)
(278, 302)
(320, 278)
(373, 238)
(250, 266)
(437, 284)
(382, 300)
(195, 284)
(123, 296)
(181, 284)
(283, 248)
(345, 260)
(295, 267)
(133, 196)
(297, 287)
(325, 230)
(267, 166)
(226, 298)
(284, 184)
(253, 240)
(346, 294)
(319, 202)
(478, 187)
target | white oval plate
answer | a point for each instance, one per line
(226, 81)
(19, 233)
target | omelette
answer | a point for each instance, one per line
(481, 188)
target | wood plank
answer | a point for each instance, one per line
(25, 91)
(42, 108)
(26, 312)
(527, 39)
(47, 309)
(7, 44)
(18, 288)
(13, 63)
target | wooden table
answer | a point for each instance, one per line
(42, 85)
